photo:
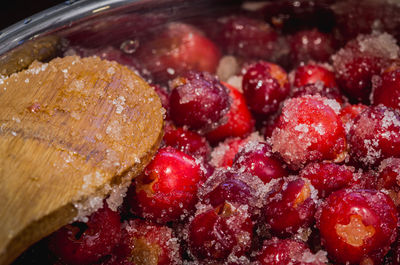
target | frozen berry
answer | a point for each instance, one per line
(257, 159)
(217, 233)
(309, 129)
(187, 141)
(199, 101)
(167, 188)
(145, 243)
(357, 225)
(248, 37)
(360, 59)
(289, 206)
(310, 45)
(265, 86)
(327, 177)
(375, 135)
(312, 73)
(86, 243)
(386, 89)
(239, 122)
(178, 48)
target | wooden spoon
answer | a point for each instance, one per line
(71, 132)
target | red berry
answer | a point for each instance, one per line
(375, 135)
(349, 113)
(247, 37)
(177, 48)
(309, 45)
(257, 160)
(199, 101)
(357, 225)
(217, 233)
(289, 206)
(146, 243)
(312, 73)
(265, 86)
(309, 129)
(239, 122)
(328, 177)
(389, 174)
(187, 141)
(86, 243)
(360, 59)
(167, 188)
(386, 89)
(287, 251)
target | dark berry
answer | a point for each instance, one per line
(177, 48)
(386, 89)
(86, 243)
(265, 86)
(199, 101)
(375, 135)
(310, 45)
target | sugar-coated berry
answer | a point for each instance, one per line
(265, 86)
(309, 129)
(167, 188)
(199, 101)
(357, 225)
(85, 243)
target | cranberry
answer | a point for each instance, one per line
(309, 129)
(285, 251)
(239, 122)
(289, 206)
(312, 73)
(360, 59)
(349, 113)
(270, 124)
(386, 89)
(146, 243)
(86, 243)
(310, 45)
(257, 159)
(167, 188)
(375, 135)
(265, 85)
(177, 48)
(389, 174)
(247, 37)
(327, 177)
(187, 141)
(228, 186)
(357, 225)
(217, 233)
(199, 101)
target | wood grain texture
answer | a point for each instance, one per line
(70, 130)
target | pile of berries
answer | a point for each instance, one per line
(291, 155)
